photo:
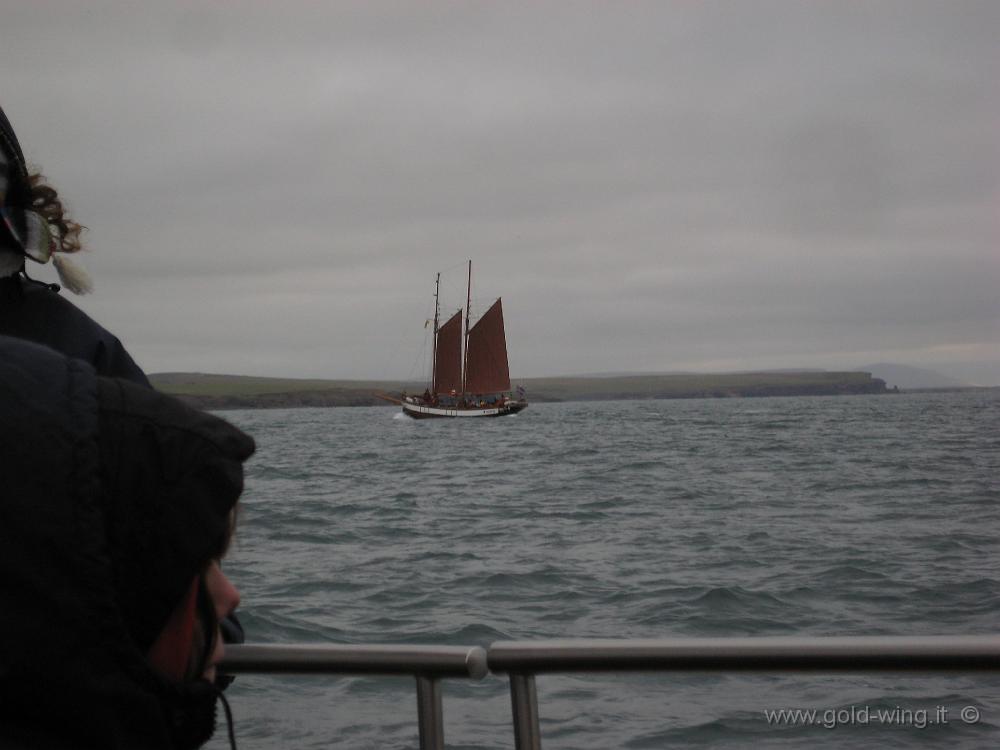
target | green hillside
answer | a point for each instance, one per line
(240, 391)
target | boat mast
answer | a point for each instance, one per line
(468, 307)
(434, 350)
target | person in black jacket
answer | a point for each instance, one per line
(34, 226)
(116, 504)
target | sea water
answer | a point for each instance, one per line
(863, 515)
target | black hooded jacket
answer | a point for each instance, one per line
(112, 498)
(34, 312)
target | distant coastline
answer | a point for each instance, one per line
(247, 392)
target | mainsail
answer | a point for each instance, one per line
(448, 360)
(486, 355)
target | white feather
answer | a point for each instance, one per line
(72, 276)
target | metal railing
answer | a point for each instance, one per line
(522, 660)
(428, 664)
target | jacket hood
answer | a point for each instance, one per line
(114, 498)
(171, 477)
(15, 186)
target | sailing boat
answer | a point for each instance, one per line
(476, 384)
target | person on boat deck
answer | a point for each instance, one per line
(118, 504)
(34, 226)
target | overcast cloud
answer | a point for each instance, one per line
(270, 188)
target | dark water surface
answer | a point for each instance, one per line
(780, 516)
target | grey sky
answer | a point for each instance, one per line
(270, 188)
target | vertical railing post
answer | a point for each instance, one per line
(430, 717)
(524, 704)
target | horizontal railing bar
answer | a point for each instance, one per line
(821, 653)
(432, 661)
(761, 654)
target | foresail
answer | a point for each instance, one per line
(448, 365)
(486, 363)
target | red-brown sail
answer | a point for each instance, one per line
(448, 366)
(486, 358)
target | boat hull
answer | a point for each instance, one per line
(423, 411)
